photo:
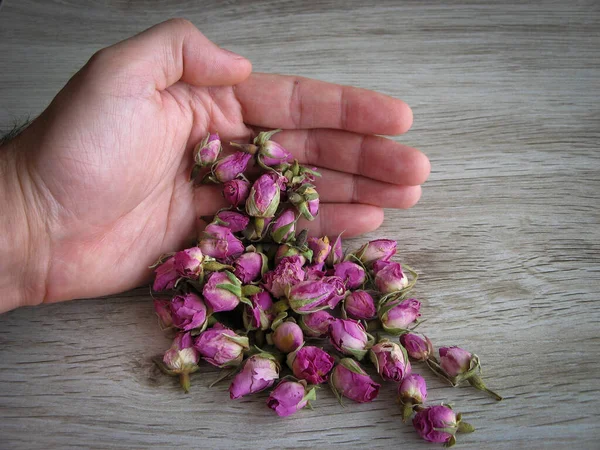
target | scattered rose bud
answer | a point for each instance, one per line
(259, 316)
(188, 311)
(284, 227)
(336, 254)
(378, 249)
(417, 348)
(351, 273)
(320, 248)
(339, 290)
(163, 311)
(390, 360)
(360, 305)
(264, 196)
(454, 360)
(288, 337)
(316, 324)
(311, 364)
(349, 379)
(350, 337)
(181, 359)
(222, 291)
(273, 154)
(236, 191)
(285, 250)
(398, 315)
(166, 276)
(412, 391)
(231, 166)
(440, 424)
(306, 201)
(309, 296)
(314, 272)
(290, 396)
(287, 274)
(391, 278)
(249, 267)
(188, 263)
(219, 242)
(207, 151)
(221, 347)
(259, 373)
(235, 221)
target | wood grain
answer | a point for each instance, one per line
(506, 237)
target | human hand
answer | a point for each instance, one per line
(102, 174)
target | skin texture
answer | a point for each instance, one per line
(96, 188)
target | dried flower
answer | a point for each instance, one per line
(350, 380)
(270, 152)
(360, 305)
(454, 360)
(290, 396)
(235, 221)
(350, 337)
(412, 390)
(390, 360)
(287, 274)
(311, 364)
(399, 314)
(218, 242)
(259, 373)
(221, 347)
(378, 249)
(316, 324)
(231, 166)
(236, 191)
(222, 291)
(248, 267)
(440, 424)
(417, 348)
(284, 227)
(259, 316)
(166, 276)
(181, 359)
(188, 263)
(207, 151)
(264, 196)
(391, 278)
(306, 201)
(336, 254)
(188, 311)
(351, 273)
(339, 290)
(320, 248)
(162, 308)
(288, 337)
(309, 296)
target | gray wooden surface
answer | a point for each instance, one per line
(507, 237)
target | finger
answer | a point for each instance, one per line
(370, 156)
(171, 51)
(278, 101)
(208, 199)
(339, 187)
(334, 218)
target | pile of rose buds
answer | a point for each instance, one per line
(283, 311)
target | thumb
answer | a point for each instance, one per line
(172, 51)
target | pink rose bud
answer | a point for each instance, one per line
(306, 201)
(259, 373)
(231, 166)
(222, 292)
(439, 424)
(454, 360)
(377, 249)
(337, 253)
(290, 396)
(360, 305)
(313, 206)
(339, 290)
(287, 274)
(349, 379)
(248, 267)
(166, 276)
(182, 356)
(316, 324)
(398, 315)
(235, 221)
(309, 296)
(220, 243)
(311, 364)
(349, 337)
(351, 273)
(236, 191)
(320, 248)
(270, 152)
(417, 348)
(188, 263)
(390, 360)
(380, 264)
(264, 196)
(188, 311)
(259, 316)
(285, 250)
(314, 272)
(391, 278)
(288, 337)
(207, 151)
(221, 347)
(162, 308)
(284, 226)
(412, 390)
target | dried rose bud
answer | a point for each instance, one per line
(284, 226)
(360, 305)
(350, 380)
(188, 311)
(235, 221)
(236, 191)
(311, 364)
(313, 206)
(309, 296)
(231, 166)
(249, 267)
(336, 254)
(350, 337)
(314, 272)
(181, 359)
(398, 315)
(339, 290)
(264, 196)
(162, 308)
(454, 360)
(207, 151)
(351, 273)
(188, 263)
(391, 278)
(270, 152)
(286, 250)
(290, 396)
(306, 201)
(287, 274)
(378, 249)
(220, 243)
(222, 291)
(320, 248)
(288, 337)
(221, 347)
(380, 264)
(316, 324)
(440, 424)
(166, 276)
(259, 316)
(412, 390)
(390, 360)
(417, 348)
(259, 373)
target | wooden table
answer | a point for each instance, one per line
(506, 237)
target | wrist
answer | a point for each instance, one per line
(24, 246)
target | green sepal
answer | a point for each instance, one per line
(214, 266)
(242, 341)
(464, 427)
(310, 395)
(163, 368)
(195, 172)
(184, 381)
(246, 301)
(235, 290)
(451, 442)
(249, 290)
(352, 366)
(246, 148)
(279, 319)
(279, 235)
(264, 136)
